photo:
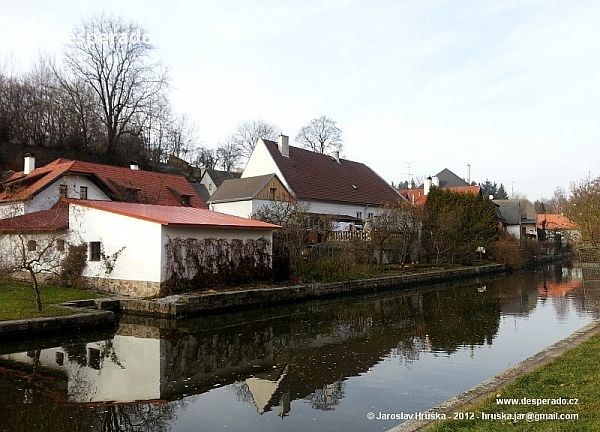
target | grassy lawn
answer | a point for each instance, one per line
(17, 301)
(575, 374)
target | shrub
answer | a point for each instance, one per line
(73, 265)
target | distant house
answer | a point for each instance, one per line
(517, 217)
(35, 189)
(211, 180)
(245, 196)
(139, 235)
(326, 184)
(556, 230)
(445, 179)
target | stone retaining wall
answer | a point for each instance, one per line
(186, 304)
(41, 326)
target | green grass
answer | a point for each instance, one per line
(575, 374)
(17, 301)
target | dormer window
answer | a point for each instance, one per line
(185, 200)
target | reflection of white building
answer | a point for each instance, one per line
(107, 371)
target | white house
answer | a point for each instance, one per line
(128, 243)
(245, 196)
(325, 184)
(517, 217)
(35, 189)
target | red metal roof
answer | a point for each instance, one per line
(121, 184)
(175, 216)
(46, 220)
(316, 176)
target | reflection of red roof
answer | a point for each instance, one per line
(46, 220)
(557, 289)
(418, 197)
(119, 183)
(176, 216)
(554, 222)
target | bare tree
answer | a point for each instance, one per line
(36, 254)
(112, 57)
(248, 133)
(294, 219)
(321, 135)
(229, 155)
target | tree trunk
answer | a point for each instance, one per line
(36, 291)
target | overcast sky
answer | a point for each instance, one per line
(509, 87)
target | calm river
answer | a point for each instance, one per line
(314, 366)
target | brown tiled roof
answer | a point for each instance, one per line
(175, 216)
(555, 222)
(47, 220)
(120, 184)
(315, 176)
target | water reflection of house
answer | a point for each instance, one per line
(105, 371)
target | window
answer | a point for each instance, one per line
(359, 215)
(272, 193)
(83, 192)
(370, 216)
(31, 245)
(95, 251)
(60, 245)
(185, 200)
(62, 191)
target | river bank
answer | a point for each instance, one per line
(101, 312)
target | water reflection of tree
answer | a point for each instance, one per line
(461, 317)
(137, 418)
(327, 397)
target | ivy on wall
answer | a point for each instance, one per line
(201, 263)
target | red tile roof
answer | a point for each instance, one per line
(418, 197)
(175, 216)
(120, 184)
(316, 176)
(554, 222)
(46, 220)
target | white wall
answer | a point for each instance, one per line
(208, 182)
(11, 209)
(341, 208)
(243, 209)
(261, 163)
(50, 195)
(141, 258)
(235, 208)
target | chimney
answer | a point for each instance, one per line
(29, 163)
(469, 174)
(427, 185)
(435, 181)
(335, 154)
(283, 142)
(134, 165)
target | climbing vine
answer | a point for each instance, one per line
(109, 261)
(199, 263)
